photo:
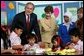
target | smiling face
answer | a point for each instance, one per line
(48, 15)
(29, 8)
(80, 13)
(48, 11)
(31, 41)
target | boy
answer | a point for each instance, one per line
(15, 37)
(31, 43)
(75, 38)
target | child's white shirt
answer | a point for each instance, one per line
(79, 46)
(35, 46)
(15, 39)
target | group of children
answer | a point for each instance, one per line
(75, 43)
(15, 41)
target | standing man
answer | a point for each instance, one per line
(29, 22)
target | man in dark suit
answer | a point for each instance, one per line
(28, 20)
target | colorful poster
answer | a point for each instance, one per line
(74, 13)
(58, 14)
(3, 5)
(3, 18)
(11, 5)
(11, 11)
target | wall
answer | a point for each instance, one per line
(8, 11)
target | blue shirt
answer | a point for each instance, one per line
(64, 33)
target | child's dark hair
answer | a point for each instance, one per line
(74, 32)
(55, 37)
(58, 39)
(48, 8)
(31, 36)
(18, 27)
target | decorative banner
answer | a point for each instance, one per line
(3, 5)
(11, 5)
(56, 12)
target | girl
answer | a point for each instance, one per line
(57, 43)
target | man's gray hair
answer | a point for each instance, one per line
(31, 4)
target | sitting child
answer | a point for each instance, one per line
(57, 43)
(5, 44)
(15, 37)
(42, 45)
(75, 38)
(31, 43)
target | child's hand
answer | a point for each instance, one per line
(70, 46)
(55, 49)
(17, 47)
(29, 48)
(41, 44)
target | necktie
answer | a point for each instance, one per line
(28, 23)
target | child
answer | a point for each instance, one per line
(5, 44)
(75, 38)
(4, 39)
(31, 43)
(15, 37)
(57, 44)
